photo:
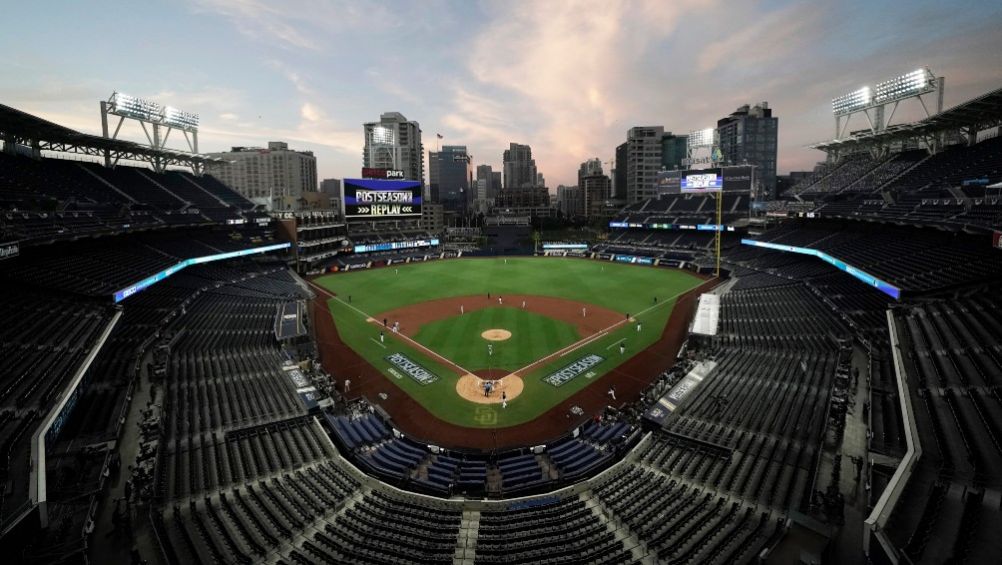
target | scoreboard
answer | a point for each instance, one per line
(737, 178)
(378, 198)
(711, 181)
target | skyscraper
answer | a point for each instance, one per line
(394, 142)
(619, 174)
(588, 168)
(674, 148)
(643, 161)
(449, 177)
(492, 181)
(594, 192)
(519, 167)
(258, 172)
(749, 136)
(570, 201)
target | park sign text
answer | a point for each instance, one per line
(413, 370)
(574, 369)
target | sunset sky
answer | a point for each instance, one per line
(568, 78)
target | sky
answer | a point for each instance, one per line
(568, 78)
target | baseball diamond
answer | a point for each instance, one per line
(446, 318)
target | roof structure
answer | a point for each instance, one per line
(974, 115)
(22, 128)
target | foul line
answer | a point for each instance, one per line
(614, 344)
(380, 344)
(448, 362)
(570, 347)
(601, 333)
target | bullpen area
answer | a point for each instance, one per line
(491, 345)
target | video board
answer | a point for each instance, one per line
(709, 180)
(726, 179)
(379, 198)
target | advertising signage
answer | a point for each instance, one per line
(374, 173)
(376, 199)
(395, 245)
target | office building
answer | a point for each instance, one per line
(449, 177)
(492, 180)
(619, 173)
(570, 201)
(519, 168)
(595, 190)
(674, 150)
(643, 161)
(749, 136)
(335, 191)
(265, 173)
(394, 142)
(589, 168)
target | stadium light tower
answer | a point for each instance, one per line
(872, 101)
(161, 119)
(702, 147)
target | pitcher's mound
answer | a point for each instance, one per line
(471, 387)
(496, 335)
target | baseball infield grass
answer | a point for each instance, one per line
(533, 336)
(619, 287)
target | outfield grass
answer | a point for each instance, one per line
(533, 337)
(620, 287)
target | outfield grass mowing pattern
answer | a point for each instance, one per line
(620, 287)
(533, 337)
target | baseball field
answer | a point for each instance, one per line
(539, 329)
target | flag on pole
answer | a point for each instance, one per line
(439, 135)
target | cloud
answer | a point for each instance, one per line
(763, 39)
(261, 19)
(559, 71)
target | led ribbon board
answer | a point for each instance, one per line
(839, 264)
(395, 245)
(658, 226)
(154, 279)
(581, 246)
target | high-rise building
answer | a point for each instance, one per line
(749, 136)
(449, 178)
(334, 190)
(588, 168)
(496, 184)
(519, 168)
(619, 174)
(487, 187)
(570, 201)
(643, 161)
(394, 142)
(331, 187)
(492, 181)
(595, 192)
(674, 149)
(261, 173)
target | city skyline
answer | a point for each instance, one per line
(567, 79)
